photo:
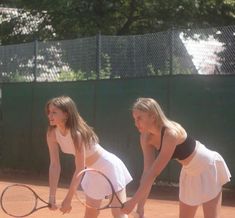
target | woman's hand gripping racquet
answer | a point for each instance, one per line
(20, 200)
(97, 191)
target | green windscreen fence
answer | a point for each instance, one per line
(204, 105)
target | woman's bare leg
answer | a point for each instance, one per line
(212, 208)
(187, 211)
(116, 212)
(90, 212)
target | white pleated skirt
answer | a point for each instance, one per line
(114, 169)
(202, 179)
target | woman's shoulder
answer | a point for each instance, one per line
(51, 135)
(51, 132)
(176, 134)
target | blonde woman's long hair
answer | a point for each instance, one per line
(74, 122)
(151, 106)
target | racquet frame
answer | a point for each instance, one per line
(113, 194)
(37, 197)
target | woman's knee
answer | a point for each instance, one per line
(90, 212)
(117, 201)
(116, 212)
(187, 211)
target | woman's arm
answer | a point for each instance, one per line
(149, 157)
(80, 165)
(168, 147)
(54, 168)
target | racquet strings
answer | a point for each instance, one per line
(18, 201)
(95, 190)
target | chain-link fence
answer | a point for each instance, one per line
(198, 51)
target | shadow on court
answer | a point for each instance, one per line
(162, 203)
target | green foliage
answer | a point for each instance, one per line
(74, 76)
(75, 18)
(152, 71)
(104, 73)
(13, 77)
(179, 68)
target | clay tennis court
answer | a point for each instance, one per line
(161, 204)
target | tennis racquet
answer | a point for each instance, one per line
(96, 191)
(20, 200)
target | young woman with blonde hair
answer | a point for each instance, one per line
(203, 172)
(68, 131)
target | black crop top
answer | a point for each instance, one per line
(183, 150)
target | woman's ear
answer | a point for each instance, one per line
(66, 117)
(153, 117)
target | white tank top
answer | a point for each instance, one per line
(67, 146)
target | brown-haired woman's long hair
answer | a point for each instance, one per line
(74, 122)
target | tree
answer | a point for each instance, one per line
(59, 19)
(76, 18)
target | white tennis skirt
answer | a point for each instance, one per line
(114, 169)
(202, 179)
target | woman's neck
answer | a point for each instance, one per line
(63, 130)
(154, 130)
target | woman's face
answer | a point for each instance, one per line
(143, 120)
(56, 116)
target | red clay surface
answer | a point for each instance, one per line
(161, 204)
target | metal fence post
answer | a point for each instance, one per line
(171, 44)
(98, 55)
(35, 60)
(170, 69)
